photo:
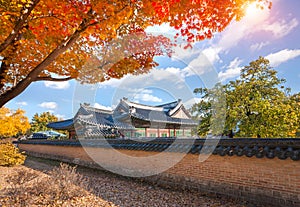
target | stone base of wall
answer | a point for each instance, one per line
(272, 182)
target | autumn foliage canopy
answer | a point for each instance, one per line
(47, 39)
(13, 122)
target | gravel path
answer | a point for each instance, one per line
(105, 189)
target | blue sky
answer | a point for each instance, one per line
(274, 34)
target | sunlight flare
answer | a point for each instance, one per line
(256, 13)
(253, 10)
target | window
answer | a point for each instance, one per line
(187, 133)
(171, 132)
(179, 133)
(141, 132)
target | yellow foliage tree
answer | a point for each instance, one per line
(40, 121)
(12, 122)
(10, 155)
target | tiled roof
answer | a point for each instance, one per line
(269, 148)
(161, 113)
(160, 116)
(88, 115)
(100, 118)
(66, 124)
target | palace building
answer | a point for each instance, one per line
(129, 119)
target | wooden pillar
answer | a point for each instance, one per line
(174, 132)
(158, 135)
(131, 133)
(146, 132)
(169, 132)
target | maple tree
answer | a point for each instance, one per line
(54, 39)
(12, 122)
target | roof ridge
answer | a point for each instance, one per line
(96, 109)
(165, 104)
(142, 105)
(176, 108)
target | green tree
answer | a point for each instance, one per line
(211, 110)
(40, 121)
(257, 104)
(295, 104)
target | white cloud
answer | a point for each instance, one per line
(233, 70)
(146, 95)
(181, 54)
(204, 63)
(175, 75)
(249, 25)
(232, 36)
(237, 31)
(159, 81)
(189, 103)
(258, 46)
(198, 61)
(164, 29)
(281, 28)
(235, 63)
(57, 85)
(100, 106)
(180, 73)
(48, 105)
(230, 73)
(113, 82)
(212, 54)
(282, 56)
(22, 103)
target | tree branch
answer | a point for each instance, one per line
(25, 12)
(3, 71)
(49, 78)
(33, 75)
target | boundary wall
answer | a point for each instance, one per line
(261, 171)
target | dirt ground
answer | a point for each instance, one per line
(39, 182)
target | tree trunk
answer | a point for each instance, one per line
(3, 71)
(33, 75)
(4, 98)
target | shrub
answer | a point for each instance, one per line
(66, 183)
(61, 186)
(10, 155)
